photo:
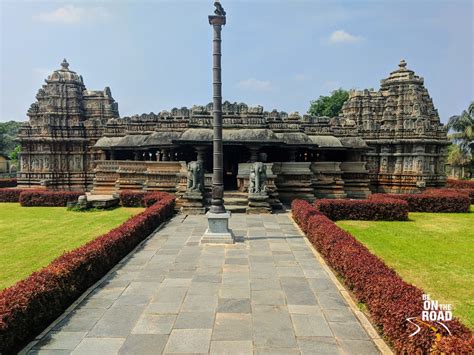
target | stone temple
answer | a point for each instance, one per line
(389, 140)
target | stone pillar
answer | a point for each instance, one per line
(157, 154)
(172, 153)
(165, 154)
(291, 154)
(217, 202)
(201, 153)
(253, 154)
(136, 155)
(218, 218)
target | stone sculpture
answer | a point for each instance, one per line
(258, 179)
(195, 177)
(219, 11)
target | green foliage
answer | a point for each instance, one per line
(31, 237)
(462, 135)
(14, 155)
(432, 250)
(458, 156)
(329, 106)
(8, 133)
(462, 128)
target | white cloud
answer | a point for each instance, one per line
(255, 85)
(341, 36)
(71, 15)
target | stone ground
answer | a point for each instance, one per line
(267, 294)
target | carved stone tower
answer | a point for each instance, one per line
(64, 124)
(401, 125)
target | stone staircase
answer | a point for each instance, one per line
(236, 201)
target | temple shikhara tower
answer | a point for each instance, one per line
(402, 127)
(65, 122)
(390, 140)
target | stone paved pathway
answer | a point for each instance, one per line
(265, 295)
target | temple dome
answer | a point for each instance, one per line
(65, 75)
(401, 75)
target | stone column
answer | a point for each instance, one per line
(157, 154)
(165, 154)
(291, 154)
(218, 218)
(253, 154)
(136, 156)
(201, 153)
(217, 202)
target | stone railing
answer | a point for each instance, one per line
(113, 176)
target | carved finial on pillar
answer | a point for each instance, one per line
(65, 64)
(219, 11)
(402, 64)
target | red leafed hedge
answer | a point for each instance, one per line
(469, 192)
(33, 303)
(8, 182)
(152, 197)
(460, 184)
(129, 198)
(382, 209)
(437, 201)
(388, 298)
(30, 198)
(10, 195)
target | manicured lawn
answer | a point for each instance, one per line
(434, 251)
(31, 237)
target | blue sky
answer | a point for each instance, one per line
(156, 55)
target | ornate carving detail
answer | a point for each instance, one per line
(195, 177)
(258, 178)
(219, 11)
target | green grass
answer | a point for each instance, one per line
(434, 251)
(31, 237)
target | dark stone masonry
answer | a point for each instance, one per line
(389, 140)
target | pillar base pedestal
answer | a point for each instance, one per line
(218, 231)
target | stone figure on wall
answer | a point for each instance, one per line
(258, 178)
(77, 163)
(419, 166)
(195, 177)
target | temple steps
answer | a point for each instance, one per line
(236, 201)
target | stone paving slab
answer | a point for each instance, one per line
(268, 294)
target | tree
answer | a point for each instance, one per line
(462, 128)
(459, 160)
(8, 133)
(329, 106)
(14, 155)
(462, 135)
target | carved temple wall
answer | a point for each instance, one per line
(389, 140)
